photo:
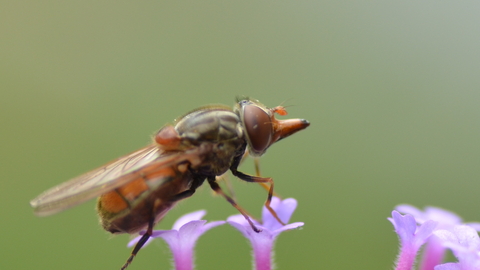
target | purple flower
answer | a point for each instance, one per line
(445, 219)
(182, 238)
(412, 237)
(434, 251)
(263, 241)
(464, 242)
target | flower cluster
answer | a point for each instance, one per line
(188, 228)
(438, 230)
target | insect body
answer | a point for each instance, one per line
(137, 190)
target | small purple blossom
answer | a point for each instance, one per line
(182, 238)
(262, 242)
(434, 251)
(446, 219)
(450, 232)
(464, 242)
(412, 237)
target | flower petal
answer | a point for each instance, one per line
(188, 217)
(211, 225)
(239, 219)
(448, 266)
(243, 228)
(284, 210)
(287, 227)
(262, 242)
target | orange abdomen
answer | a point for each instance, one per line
(129, 208)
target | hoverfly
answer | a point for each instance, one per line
(137, 190)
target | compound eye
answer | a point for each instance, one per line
(258, 125)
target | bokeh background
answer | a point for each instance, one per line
(391, 88)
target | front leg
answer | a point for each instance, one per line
(218, 190)
(256, 179)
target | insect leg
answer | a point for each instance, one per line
(224, 177)
(196, 182)
(228, 184)
(218, 189)
(257, 179)
(144, 237)
(256, 162)
(183, 195)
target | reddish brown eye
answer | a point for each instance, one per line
(258, 125)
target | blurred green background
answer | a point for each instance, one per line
(391, 89)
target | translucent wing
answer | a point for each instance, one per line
(106, 178)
